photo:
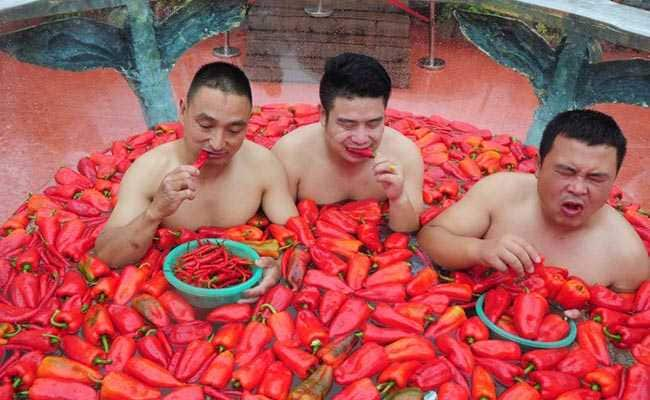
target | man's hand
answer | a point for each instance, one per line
(508, 252)
(271, 276)
(177, 186)
(390, 175)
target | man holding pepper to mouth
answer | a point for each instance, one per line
(508, 220)
(350, 154)
(162, 187)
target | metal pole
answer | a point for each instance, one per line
(318, 12)
(431, 63)
(226, 51)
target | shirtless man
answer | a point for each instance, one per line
(163, 188)
(508, 220)
(325, 162)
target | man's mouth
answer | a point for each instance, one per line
(365, 152)
(216, 154)
(572, 208)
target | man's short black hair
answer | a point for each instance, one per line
(590, 127)
(353, 75)
(223, 76)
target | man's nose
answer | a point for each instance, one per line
(217, 140)
(361, 135)
(578, 186)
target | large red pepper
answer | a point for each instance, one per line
(119, 386)
(577, 363)
(388, 292)
(276, 382)
(310, 330)
(23, 372)
(351, 315)
(70, 317)
(422, 282)
(373, 333)
(387, 316)
(396, 240)
(150, 373)
(196, 354)
(66, 369)
(553, 328)
(300, 227)
(431, 375)
(623, 336)
(543, 359)
(592, 339)
(451, 320)
(242, 233)
(298, 361)
(294, 265)
(637, 383)
(642, 297)
(607, 317)
(573, 294)
(330, 303)
(219, 372)
(369, 234)
(604, 297)
(151, 309)
(49, 389)
(308, 298)
(639, 320)
(250, 375)
(132, 279)
(316, 386)
(399, 373)
(417, 312)
(97, 326)
(44, 340)
(327, 261)
(472, 330)
(553, 383)
(231, 313)
(339, 219)
(177, 307)
(606, 380)
(228, 336)
(362, 389)
(399, 272)
(483, 387)
(318, 278)
(458, 353)
(499, 349)
(255, 337)
(105, 288)
(345, 248)
(308, 209)
(528, 314)
(24, 291)
(193, 392)
(324, 229)
(460, 292)
(368, 360)
(28, 260)
(391, 256)
(504, 372)
(151, 347)
(122, 349)
(357, 272)
(125, 318)
(520, 391)
(185, 332)
(337, 350)
(79, 350)
(364, 211)
(284, 236)
(410, 348)
(452, 391)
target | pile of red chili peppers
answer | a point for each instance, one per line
(212, 266)
(350, 319)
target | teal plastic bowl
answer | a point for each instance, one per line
(210, 298)
(567, 341)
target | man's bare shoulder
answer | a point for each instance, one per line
(511, 185)
(298, 137)
(399, 145)
(154, 164)
(618, 229)
(257, 155)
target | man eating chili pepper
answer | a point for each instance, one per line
(350, 154)
(163, 187)
(560, 211)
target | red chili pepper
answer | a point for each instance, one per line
(623, 336)
(592, 339)
(330, 304)
(639, 320)
(294, 265)
(77, 349)
(316, 386)
(119, 386)
(388, 292)
(387, 316)
(483, 387)
(219, 372)
(520, 391)
(150, 373)
(529, 312)
(47, 389)
(553, 328)
(104, 289)
(93, 268)
(499, 349)
(604, 297)
(70, 317)
(151, 309)
(324, 229)
(399, 272)
(410, 348)
(422, 282)
(327, 261)
(97, 326)
(543, 359)
(473, 330)
(360, 389)
(396, 240)
(357, 271)
(340, 220)
(503, 371)
(276, 382)
(228, 335)
(44, 340)
(185, 332)
(23, 372)
(363, 211)
(300, 227)
(460, 292)
(283, 235)
(315, 277)
(311, 332)
(351, 315)
(255, 337)
(25, 290)
(67, 176)
(28, 260)
(250, 375)
(553, 383)
(369, 235)
(372, 333)
(459, 353)
(451, 320)
(577, 363)
(125, 318)
(399, 373)
(641, 351)
(193, 392)
(345, 248)
(66, 369)
(177, 307)
(308, 210)
(391, 256)
(298, 361)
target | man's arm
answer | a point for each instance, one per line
(404, 212)
(633, 266)
(138, 213)
(455, 238)
(277, 202)
(282, 152)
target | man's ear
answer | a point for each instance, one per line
(323, 116)
(181, 106)
(539, 166)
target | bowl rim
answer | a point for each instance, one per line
(567, 341)
(182, 248)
